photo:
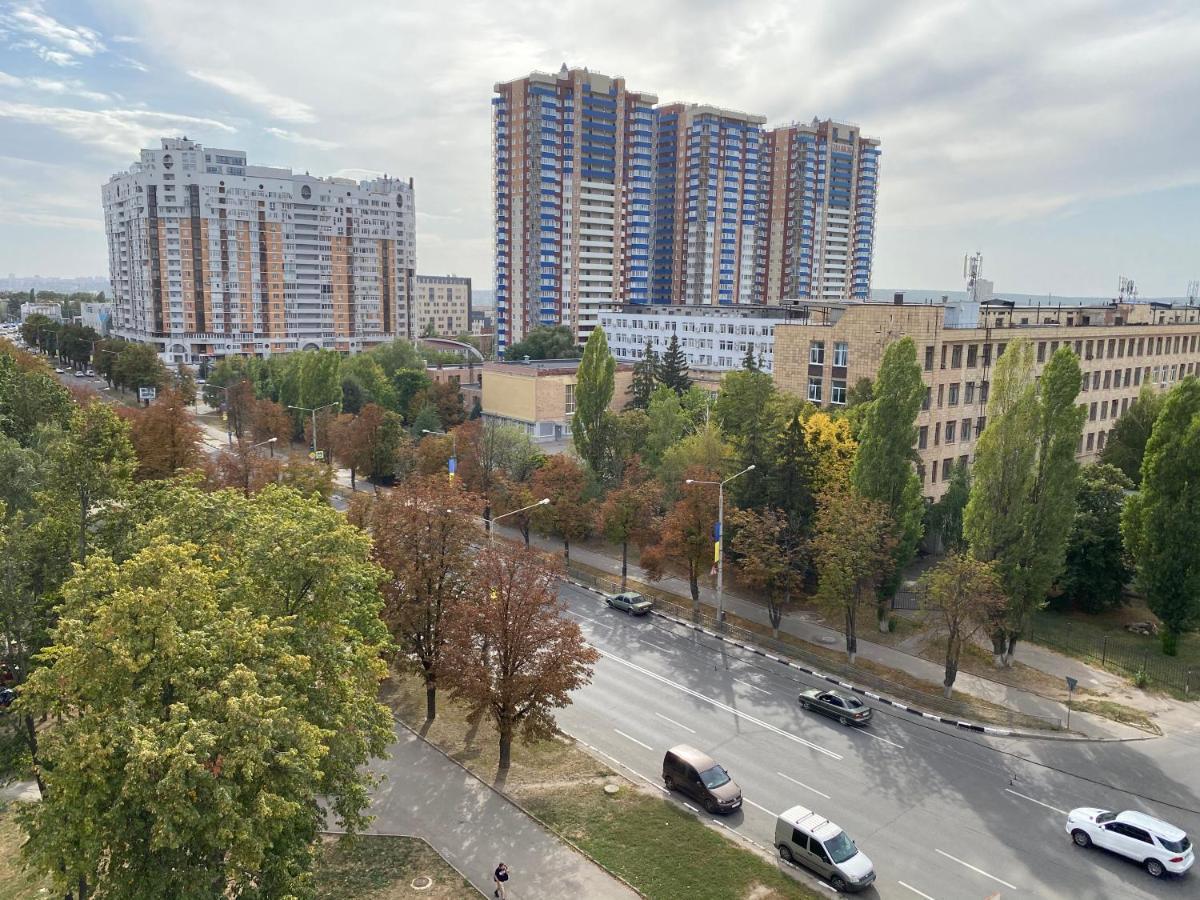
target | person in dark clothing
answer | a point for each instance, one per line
(500, 876)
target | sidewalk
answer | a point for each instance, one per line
(427, 795)
(801, 625)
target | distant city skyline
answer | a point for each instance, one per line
(1018, 129)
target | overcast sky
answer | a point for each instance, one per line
(1062, 139)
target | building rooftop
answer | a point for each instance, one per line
(737, 310)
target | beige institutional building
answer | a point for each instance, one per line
(539, 396)
(441, 306)
(1121, 347)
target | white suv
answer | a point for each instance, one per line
(1157, 845)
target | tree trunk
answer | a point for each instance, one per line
(567, 551)
(31, 741)
(505, 746)
(953, 647)
(525, 534)
(883, 614)
(353, 482)
(851, 636)
(998, 644)
(487, 518)
(775, 614)
(694, 584)
(1013, 637)
(430, 701)
(624, 563)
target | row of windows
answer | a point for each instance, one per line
(841, 353)
(967, 391)
(953, 355)
(951, 432)
(837, 390)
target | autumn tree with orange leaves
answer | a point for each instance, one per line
(686, 533)
(165, 437)
(570, 513)
(628, 511)
(270, 420)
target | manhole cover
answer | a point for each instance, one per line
(827, 639)
(611, 788)
(422, 883)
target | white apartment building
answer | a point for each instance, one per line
(49, 310)
(441, 306)
(210, 256)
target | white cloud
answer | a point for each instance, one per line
(53, 41)
(121, 132)
(73, 87)
(250, 90)
(293, 137)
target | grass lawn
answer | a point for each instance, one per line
(376, 867)
(16, 883)
(657, 847)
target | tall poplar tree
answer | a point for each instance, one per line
(884, 469)
(591, 426)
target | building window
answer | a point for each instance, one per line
(980, 424)
(923, 437)
(1091, 442)
(1092, 412)
(969, 393)
(1100, 435)
(837, 392)
(937, 433)
(841, 354)
(956, 356)
(814, 388)
(983, 391)
(951, 427)
(954, 394)
(964, 430)
(925, 402)
(569, 399)
(1107, 379)
(929, 368)
(816, 353)
(1041, 351)
(941, 394)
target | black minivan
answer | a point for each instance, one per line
(687, 770)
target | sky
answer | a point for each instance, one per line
(1062, 140)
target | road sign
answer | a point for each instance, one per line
(318, 455)
(1071, 683)
(147, 393)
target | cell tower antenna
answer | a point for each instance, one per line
(972, 271)
(1126, 289)
(1193, 292)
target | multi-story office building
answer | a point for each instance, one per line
(1121, 348)
(441, 306)
(816, 232)
(713, 338)
(572, 164)
(211, 256)
(705, 205)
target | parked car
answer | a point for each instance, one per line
(629, 601)
(58, 371)
(91, 373)
(810, 840)
(847, 710)
(696, 774)
(1159, 846)
(7, 696)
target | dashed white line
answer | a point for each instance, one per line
(631, 738)
(689, 806)
(717, 703)
(885, 740)
(572, 612)
(803, 785)
(763, 808)
(1038, 802)
(673, 722)
(617, 762)
(914, 890)
(656, 646)
(1011, 887)
(753, 687)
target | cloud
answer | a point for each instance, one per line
(73, 87)
(293, 137)
(121, 132)
(249, 90)
(53, 41)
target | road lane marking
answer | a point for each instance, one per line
(689, 806)
(1038, 802)
(885, 740)
(572, 612)
(717, 703)
(763, 808)
(631, 738)
(615, 761)
(656, 646)
(1011, 887)
(753, 687)
(673, 722)
(914, 890)
(803, 785)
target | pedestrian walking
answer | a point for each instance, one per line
(501, 876)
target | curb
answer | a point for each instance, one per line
(879, 698)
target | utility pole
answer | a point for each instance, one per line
(309, 409)
(719, 538)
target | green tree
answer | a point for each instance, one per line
(138, 366)
(1161, 521)
(1096, 572)
(673, 367)
(667, 422)
(29, 397)
(1127, 440)
(685, 533)
(425, 420)
(747, 414)
(409, 384)
(627, 511)
(557, 342)
(320, 378)
(944, 519)
(705, 449)
(645, 378)
(591, 426)
(400, 355)
(748, 362)
(771, 558)
(884, 469)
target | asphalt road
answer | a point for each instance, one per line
(943, 814)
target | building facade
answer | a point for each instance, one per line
(816, 234)
(210, 256)
(49, 310)
(97, 316)
(441, 306)
(539, 396)
(1121, 347)
(572, 170)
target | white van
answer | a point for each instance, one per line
(808, 839)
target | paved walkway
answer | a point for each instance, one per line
(475, 828)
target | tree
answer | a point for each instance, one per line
(447, 399)
(666, 423)
(239, 407)
(165, 437)
(884, 469)
(686, 533)
(243, 467)
(746, 412)
(270, 420)
(1127, 441)
(965, 597)
(487, 451)
(705, 449)
(1023, 493)
(771, 558)
(400, 355)
(29, 397)
(511, 495)
(369, 379)
(645, 378)
(570, 513)
(515, 656)
(423, 536)
(673, 368)
(409, 384)
(137, 366)
(858, 400)
(1095, 571)
(425, 420)
(214, 694)
(852, 546)
(591, 426)
(748, 362)
(944, 519)
(545, 343)
(627, 511)
(833, 450)
(1160, 522)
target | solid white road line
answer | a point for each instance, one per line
(914, 890)
(763, 808)
(689, 806)
(753, 687)
(676, 724)
(572, 612)
(630, 738)
(656, 646)
(1038, 802)
(717, 703)
(878, 738)
(803, 785)
(1011, 887)
(617, 762)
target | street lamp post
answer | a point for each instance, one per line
(228, 422)
(720, 538)
(452, 462)
(492, 532)
(314, 412)
(245, 454)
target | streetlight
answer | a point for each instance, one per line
(245, 455)
(314, 412)
(452, 462)
(720, 537)
(228, 423)
(492, 530)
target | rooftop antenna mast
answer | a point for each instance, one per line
(972, 271)
(1126, 289)
(1193, 292)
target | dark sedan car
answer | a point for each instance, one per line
(847, 710)
(631, 602)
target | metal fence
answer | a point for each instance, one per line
(931, 701)
(1126, 655)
